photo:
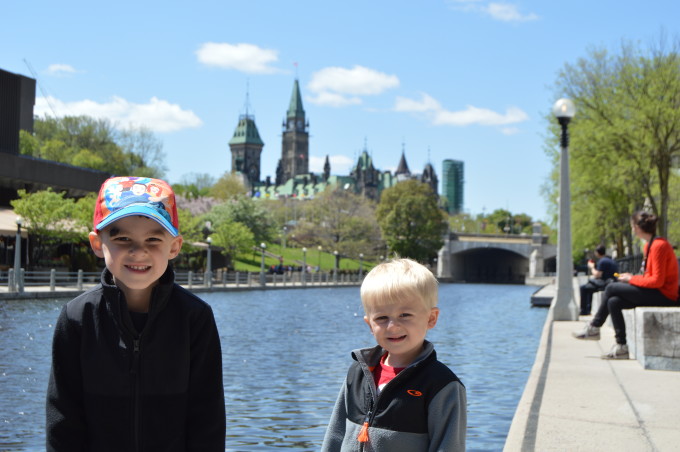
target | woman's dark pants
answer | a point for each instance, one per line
(618, 296)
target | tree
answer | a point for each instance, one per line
(341, 221)
(411, 222)
(624, 138)
(247, 212)
(230, 185)
(51, 220)
(235, 239)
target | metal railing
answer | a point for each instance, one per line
(52, 280)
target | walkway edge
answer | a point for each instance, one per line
(522, 433)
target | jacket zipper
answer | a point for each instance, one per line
(136, 391)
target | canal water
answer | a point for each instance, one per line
(286, 353)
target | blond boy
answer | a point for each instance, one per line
(397, 395)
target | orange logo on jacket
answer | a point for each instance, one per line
(414, 393)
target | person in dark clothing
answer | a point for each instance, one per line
(136, 360)
(603, 272)
(397, 396)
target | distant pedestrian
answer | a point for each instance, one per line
(136, 360)
(656, 286)
(603, 272)
(397, 395)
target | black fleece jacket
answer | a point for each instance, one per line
(114, 389)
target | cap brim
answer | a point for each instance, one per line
(136, 210)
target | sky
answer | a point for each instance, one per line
(469, 80)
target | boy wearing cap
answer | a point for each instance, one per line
(136, 360)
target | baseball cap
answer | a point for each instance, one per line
(121, 197)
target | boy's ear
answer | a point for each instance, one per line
(434, 315)
(96, 244)
(176, 247)
(368, 323)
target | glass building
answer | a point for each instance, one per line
(452, 185)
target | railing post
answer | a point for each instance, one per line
(190, 278)
(20, 285)
(224, 278)
(238, 277)
(53, 280)
(11, 285)
(80, 280)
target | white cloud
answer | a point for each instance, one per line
(340, 164)
(507, 12)
(510, 130)
(438, 115)
(60, 69)
(338, 86)
(157, 114)
(243, 57)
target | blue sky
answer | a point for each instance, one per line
(469, 80)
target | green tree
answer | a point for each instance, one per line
(411, 222)
(50, 220)
(247, 212)
(234, 238)
(341, 221)
(624, 139)
(230, 185)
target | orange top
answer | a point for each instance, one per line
(661, 271)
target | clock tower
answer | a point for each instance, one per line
(295, 143)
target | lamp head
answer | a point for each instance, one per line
(564, 108)
(209, 240)
(19, 221)
(304, 250)
(263, 245)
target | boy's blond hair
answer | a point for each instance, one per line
(396, 281)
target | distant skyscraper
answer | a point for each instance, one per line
(452, 185)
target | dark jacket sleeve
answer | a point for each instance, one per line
(206, 424)
(447, 419)
(65, 418)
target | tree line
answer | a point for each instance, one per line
(624, 142)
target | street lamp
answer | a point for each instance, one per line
(335, 267)
(208, 265)
(563, 306)
(16, 285)
(262, 277)
(285, 229)
(304, 266)
(361, 265)
(318, 248)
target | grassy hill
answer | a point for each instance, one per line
(294, 257)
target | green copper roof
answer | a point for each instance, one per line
(295, 110)
(365, 161)
(246, 132)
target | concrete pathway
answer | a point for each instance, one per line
(575, 401)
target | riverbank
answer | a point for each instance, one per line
(44, 292)
(575, 401)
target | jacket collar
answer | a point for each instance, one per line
(370, 357)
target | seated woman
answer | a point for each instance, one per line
(657, 286)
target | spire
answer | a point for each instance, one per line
(402, 168)
(295, 110)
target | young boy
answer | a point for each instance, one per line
(136, 360)
(398, 396)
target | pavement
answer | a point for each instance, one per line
(576, 401)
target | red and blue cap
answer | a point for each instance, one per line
(121, 197)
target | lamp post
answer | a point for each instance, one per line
(262, 277)
(563, 306)
(335, 267)
(318, 249)
(304, 266)
(208, 265)
(285, 230)
(16, 283)
(361, 265)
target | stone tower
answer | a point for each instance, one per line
(246, 149)
(295, 142)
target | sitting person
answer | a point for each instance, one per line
(602, 274)
(657, 286)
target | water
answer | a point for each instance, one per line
(286, 353)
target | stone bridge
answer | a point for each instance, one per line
(484, 258)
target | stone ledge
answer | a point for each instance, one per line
(653, 336)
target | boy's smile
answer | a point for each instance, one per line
(400, 329)
(136, 250)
